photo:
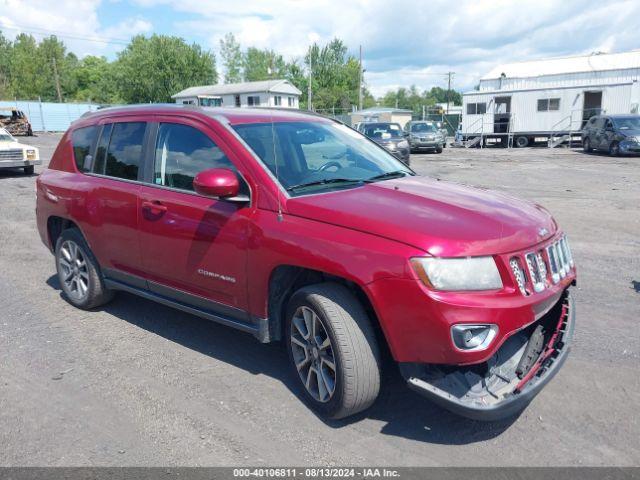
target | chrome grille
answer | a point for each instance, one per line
(13, 154)
(518, 273)
(537, 279)
(541, 272)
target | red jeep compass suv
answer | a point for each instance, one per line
(295, 227)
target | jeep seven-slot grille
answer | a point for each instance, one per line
(537, 270)
(13, 154)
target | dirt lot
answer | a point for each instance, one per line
(141, 384)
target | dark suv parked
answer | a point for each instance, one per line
(390, 136)
(616, 134)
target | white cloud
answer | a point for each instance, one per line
(405, 41)
(75, 22)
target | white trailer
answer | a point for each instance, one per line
(551, 100)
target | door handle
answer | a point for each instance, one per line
(155, 207)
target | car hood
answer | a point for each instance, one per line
(630, 133)
(382, 141)
(441, 218)
(10, 145)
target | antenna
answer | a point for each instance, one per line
(275, 159)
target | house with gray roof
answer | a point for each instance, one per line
(267, 93)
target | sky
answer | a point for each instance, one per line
(404, 42)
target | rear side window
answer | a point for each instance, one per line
(124, 155)
(82, 140)
(181, 153)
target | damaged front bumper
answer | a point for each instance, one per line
(505, 384)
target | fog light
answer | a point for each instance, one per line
(473, 337)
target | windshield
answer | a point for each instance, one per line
(631, 123)
(5, 136)
(423, 127)
(309, 157)
(383, 130)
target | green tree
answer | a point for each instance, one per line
(412, 99)
(96, 81)
(335, 76)
(231, 58)
(439, 95)
(263, 65)
(27, 75)
(56, 67)
(6, 51)
(152, 69)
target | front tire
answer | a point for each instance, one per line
(29, 170)
(586, 145)
(614, 149)
(439, 149)
(333, 350)
(79, 272)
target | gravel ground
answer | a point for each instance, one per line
(137, 383)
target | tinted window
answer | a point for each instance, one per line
(181, 153)
(124, 155)
(101, 150)
(312, 152)
(543, 105)
(82, 140)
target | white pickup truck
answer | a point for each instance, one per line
(14, 154)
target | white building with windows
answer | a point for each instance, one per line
(267, 93)
(551, 98)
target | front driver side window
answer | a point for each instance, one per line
(181, 153)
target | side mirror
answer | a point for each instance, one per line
(217, 183)
(405, 134)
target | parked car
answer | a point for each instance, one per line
(294, 227)
(390, 136)
(443, 130)
(14, 154)
(616, 134)
(425, 135)
(15, 121)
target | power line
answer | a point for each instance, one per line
(42, 31)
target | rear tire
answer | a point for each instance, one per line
(79, 272)
(29, 170)
(338, 367)
(522, 142)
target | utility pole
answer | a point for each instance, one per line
(57, 79)
(309, 82)
(360, 82)
(449, 75)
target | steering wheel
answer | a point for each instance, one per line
(328, 165)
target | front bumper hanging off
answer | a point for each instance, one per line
(500, 387)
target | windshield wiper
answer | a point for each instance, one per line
(326, 181)
(388, 175)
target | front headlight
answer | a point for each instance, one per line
(32, 154)
(454, 274)
(403, 144)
